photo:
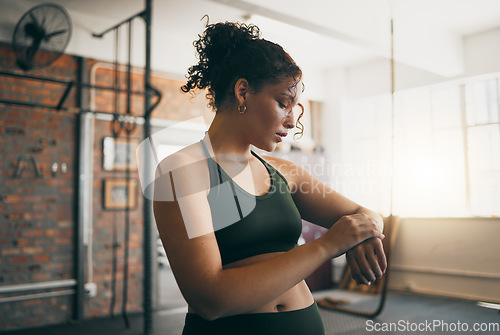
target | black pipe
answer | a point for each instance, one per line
(28, 104)
(141, 14)
(159, 95)
(129, 65)
(65, 95)
(147, 206)
(127, 178)
(126, 242)
(77, 84)
(79, 302)
(17, 75)
(34, 104)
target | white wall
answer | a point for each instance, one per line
(453, 257)
(481, 54)
(335, 89)
(374, 78)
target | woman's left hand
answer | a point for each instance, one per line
(367, 261)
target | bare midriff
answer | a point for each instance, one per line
(297, 297)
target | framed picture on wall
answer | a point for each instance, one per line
(120, 194)
(118, 154)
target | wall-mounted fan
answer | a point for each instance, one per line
(41, 35)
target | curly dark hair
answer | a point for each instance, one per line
(228, 51)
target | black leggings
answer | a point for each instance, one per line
(298, 322)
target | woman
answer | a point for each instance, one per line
(231, 225)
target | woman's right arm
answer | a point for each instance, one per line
(185, 227)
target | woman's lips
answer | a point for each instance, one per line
(280, 136)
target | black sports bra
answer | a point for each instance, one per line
(246, 225)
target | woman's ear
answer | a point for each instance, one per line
(241, 88)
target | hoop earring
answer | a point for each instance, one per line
(242, 109)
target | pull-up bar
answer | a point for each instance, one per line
(140, 14)
(69, 86)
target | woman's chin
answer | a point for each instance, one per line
(269, 147)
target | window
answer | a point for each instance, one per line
(446, 150)
(483, 140)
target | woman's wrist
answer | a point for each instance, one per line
(326, 248)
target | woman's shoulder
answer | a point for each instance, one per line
(280, 164)
(186, 167)
(189, 155)
(289, 170)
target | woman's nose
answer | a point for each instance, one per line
(289, 121)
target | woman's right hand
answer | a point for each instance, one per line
(348, 232)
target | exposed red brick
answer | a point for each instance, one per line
(52, 232)
(32, 250)
(18, 259)
(41, 207)
(10, 251)
(50, 199)
(37, 116)
(41, 276)
(22, 242)
(12, 216)
(32, 233)
(18, 207)
(41, 258)
(64, 224)
(34, 216)
(62, 240)
(9, 199)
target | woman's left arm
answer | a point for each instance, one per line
(321, 205)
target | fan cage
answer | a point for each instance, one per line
(41, 36)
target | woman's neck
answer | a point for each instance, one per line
(227, 136)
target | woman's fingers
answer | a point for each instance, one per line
(381, 258)
(364, 264)
(372, 258)
(367, 261)
(355, 270)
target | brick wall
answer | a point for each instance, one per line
(38, 219)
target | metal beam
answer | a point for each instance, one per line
(147, 217)
(79, 303)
